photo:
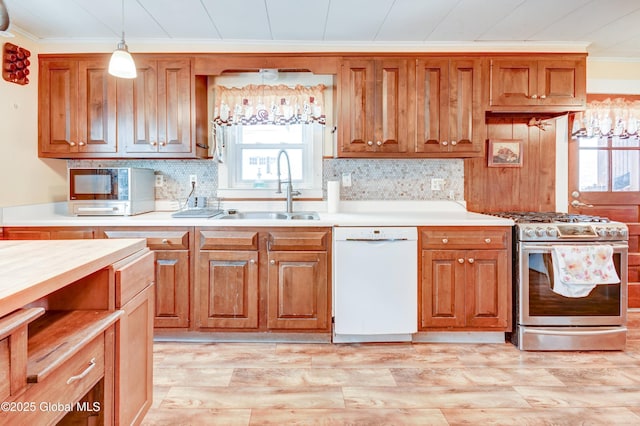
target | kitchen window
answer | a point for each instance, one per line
(252, 123)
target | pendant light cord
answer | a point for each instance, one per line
(122, 21)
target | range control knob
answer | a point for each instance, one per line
(613, 232)
(529, 232)
(622, 232)
(540, 232)
(601, 232)
(552, 232)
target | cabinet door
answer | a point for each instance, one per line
(137, 110)
(465, 112)
(228, 289)
(172, 288)
(174, 106)
(487, 296)
(513, 82)
(432, 105)
(58, 107)
(391, 119)
(62, 233)
(357, 85)
(443, 289)
(298, 291)
(562, 82)
(134, 363)
(96, 108)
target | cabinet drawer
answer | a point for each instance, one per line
(472, 238)
(228, 240)
(156, 240)
(298, 240)
(64, 386)
(133, 276)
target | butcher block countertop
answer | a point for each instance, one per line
(30, 270)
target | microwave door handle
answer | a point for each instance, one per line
(97, 209)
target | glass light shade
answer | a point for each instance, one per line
(121, 63)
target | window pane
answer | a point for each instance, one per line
(259, 165)
(272, 134)
(625, 170)
(592, 142)
(594, 170)
(617, 142)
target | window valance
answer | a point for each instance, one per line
(611, 117)
(268, 104)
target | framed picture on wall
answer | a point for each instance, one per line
(505, 153)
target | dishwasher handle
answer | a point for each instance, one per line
(376, 239)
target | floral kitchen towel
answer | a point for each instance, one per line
(579, 268)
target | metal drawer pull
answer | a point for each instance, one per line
(461, 260)
(165, 241)
(471, 260)
(487, 240)
(273, 262)
(92, 365)
(445, 241)
(252, 261)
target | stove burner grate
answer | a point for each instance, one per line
(548, 217)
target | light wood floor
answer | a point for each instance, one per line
(393, 384)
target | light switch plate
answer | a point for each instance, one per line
(346, 179)
(437, 184)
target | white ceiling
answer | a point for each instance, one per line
(611, 28)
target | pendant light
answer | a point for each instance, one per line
(4, 17)
(121, 63)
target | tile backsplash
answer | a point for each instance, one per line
(377, 179)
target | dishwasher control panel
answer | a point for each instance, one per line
(375, 233)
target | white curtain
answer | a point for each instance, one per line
(611, 117)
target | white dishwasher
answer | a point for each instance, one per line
(375, 284)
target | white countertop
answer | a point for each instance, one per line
(351, 213)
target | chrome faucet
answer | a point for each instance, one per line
(289, 188)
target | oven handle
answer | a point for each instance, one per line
(574, 332)
(533, 246)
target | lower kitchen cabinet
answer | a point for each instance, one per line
(172, 270)
(48, 233)
(260, 280)
(465, 280)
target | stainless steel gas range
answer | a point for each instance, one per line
(570, 281)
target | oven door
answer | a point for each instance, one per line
(539, 305)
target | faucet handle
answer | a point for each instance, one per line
(296, 193)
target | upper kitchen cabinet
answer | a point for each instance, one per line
(449, 109)
(154, 109)
(542, 84)
(374, 117)
(77, 108)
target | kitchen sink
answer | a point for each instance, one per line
(271, 215)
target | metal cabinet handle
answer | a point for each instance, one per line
(543, 96)
(461, 260)
(454, 142)
(534, 96)
(471, 260)
(379, 143)
(445, 241)
(253, 261)
(92, 365)
(273, 262)
(445, 143)
(165, 241)
(153, 143)
(487, 240)
(81, 143)
(370, 143)
(71, 143)
(163, 143)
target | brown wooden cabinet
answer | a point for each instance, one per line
(263, 280)
(449, 108)
(154, 109)
(172, 270)
(465, 279)
(48, 233)
(538, 83)
(227, 285)
(297, 283)
(374, 107)
(76, 107)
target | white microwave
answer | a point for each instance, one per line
(111, 191)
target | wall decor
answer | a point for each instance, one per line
(505, 153)
(15, 64)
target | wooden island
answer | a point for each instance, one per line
(76, 331)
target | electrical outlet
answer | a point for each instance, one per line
(193, 179)
(346, 179)
(159, 181)
(437, 184)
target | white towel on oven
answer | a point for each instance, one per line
(577, 269)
